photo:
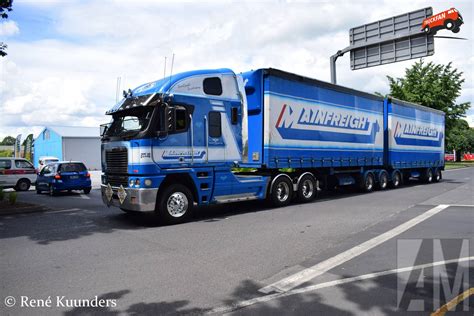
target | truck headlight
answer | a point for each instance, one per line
(132, 182)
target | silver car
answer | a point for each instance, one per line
(17, 173)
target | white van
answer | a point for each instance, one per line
(45, 160)
(17, 173)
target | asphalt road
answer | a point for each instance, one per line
(343, 253)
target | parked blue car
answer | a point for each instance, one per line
(62, 176)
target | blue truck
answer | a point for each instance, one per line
(213, 136)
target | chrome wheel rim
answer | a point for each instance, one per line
(430, 176)
(449, 25)
(307, 189)
(383, 181)
(177, 204)
(369, 183)
(396, 180)
(438, 176)
(283, 191)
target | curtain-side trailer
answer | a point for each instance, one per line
(211, 136)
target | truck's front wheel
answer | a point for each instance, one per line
(175, 204)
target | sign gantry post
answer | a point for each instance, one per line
(390, 40)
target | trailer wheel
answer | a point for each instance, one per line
(437, 175)
(307, 189)
(281, 191)
(383, 180)
(367, 183)
(175, 204)
(428, 176)
(396, 180)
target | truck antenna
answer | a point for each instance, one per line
(164, 71)
(117, 89)
(172, 62)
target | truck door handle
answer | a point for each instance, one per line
(206, 136)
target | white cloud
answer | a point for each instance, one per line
(9, 28)
(70, 79)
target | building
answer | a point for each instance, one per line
(69, 143)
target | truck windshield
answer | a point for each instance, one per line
(129, 122)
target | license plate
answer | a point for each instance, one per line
(73, 177)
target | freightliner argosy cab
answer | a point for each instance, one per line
(173, 142)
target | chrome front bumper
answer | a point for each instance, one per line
(140, 200)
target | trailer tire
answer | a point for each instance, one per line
(383, 180)
(307, 189)
(281, 191)
(396, 180)
(175, 204)
(367, 183)
(427, 176)
(437, 176)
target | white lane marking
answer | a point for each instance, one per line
(269, 297)
(461, 205)
(64, 211)
(457, 169)
(85, 197)
(306, 275)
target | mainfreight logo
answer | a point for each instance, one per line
(412, 134)
(183, 154)
(326, 125)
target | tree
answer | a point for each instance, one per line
(5, 7)
(437, 86)
(433, 85)
(8, 141)
(460, 138)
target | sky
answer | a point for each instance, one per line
(64, 57)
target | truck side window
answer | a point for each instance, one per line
(180, 120)
(212, 86)
(215, 128)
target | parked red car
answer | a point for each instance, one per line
(450, 19)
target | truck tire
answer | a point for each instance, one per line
(281, 192)
(22, 185)
(307, 189)
(456, 29)
(383, 180)
(449, 24)
(396, 180)
(437, 175)
(367, 182)
(175, 204)
(427, 176)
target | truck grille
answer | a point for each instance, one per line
(116, 180)
(117, 161)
